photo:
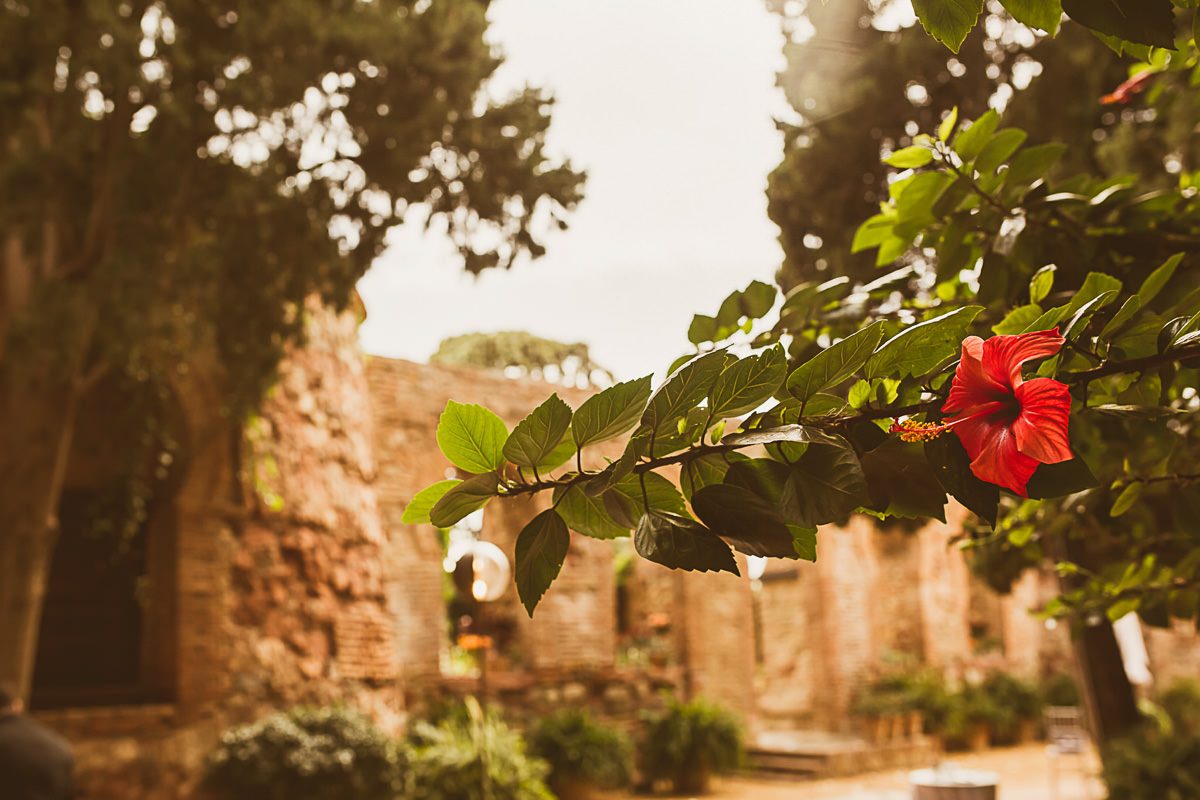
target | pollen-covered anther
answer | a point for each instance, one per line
(912, 431)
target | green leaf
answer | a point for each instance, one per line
(537, 436)
(541, 549)
(747, 383)
(1002, 145)
(678, 542)
(901, 483)
(824, 485)
(1018, 320)
(610, 413)
(1078, 322)
(417, 510)
(952, 467)
(472, 437)
(1094, 285)
(745, 521)
(586, 514)
(1047, 320)
(915, 202)
(1045, 15)
(1032, 164)
(702, 329)
(1149, 22)
(970, 142)
(561, 453)
(660, 494)
(920, 348)
(910, 157)
(1158, 279)
(834, 364)
(614, 472)
(1057, 480)
(683, 390)
(948, 21)
(1128, 309)
(757, 299)
(801, 434)
(872, 233)
(700, 472)
(1125, 500)
(948, 125)
(470, 495)
(1041, 283)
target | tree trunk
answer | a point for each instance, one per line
(1107, 693)
(35, 441)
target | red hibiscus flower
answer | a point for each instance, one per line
(1008, 425)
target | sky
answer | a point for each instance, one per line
(669, 105)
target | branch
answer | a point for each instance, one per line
(1134, 364)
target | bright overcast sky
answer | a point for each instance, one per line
(669, 105)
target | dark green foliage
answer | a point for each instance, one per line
(689, 738)
(317, 754)
(969, 708)
(473, 755)
(1060, 689)
(519, 349)
(1016, 700)
(1161, 760)
(577, 747)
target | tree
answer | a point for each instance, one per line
(1033, 326)
(530, 355)
(178, 178)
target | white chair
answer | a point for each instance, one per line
(1066, 738)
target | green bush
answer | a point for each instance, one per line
(969, 708)
(1161, 760)
(1060, 690)
(578, 748)
(473, 756)
(317, 754)
(1015, 700)
(690, 740)
(906, 691)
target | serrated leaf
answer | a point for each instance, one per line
(468, 496)
(748, 523)
(909, 157)
(1041, 283)
(825, 485)
(586, 514)
(747, 384)
(700, 472)
(542, 547)
(660, 493)
(835, 363)
(681, 543)
(1125, 500)
(872, 233)
(921, 348)
(1045, 15)
(614, 472)
(948, 21)
(970, 142)
(801, 434)
(472, 437)
(612, 412)
(537, 436)
(417, 510)
(683, 390)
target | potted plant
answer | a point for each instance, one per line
(687, 743)
(970, 720)
(583, 754)
(1019, 706)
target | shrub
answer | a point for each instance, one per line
(1014, 701)
(968, 709)
(314, 753)
(1161, 760)
(688, 741)
(473, 756)
(923, 691)
(578, 748)
(1060, 690)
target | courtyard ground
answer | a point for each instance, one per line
(1025, 774)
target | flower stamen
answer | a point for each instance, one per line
(910, 430)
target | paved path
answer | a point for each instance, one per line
(1025, 774)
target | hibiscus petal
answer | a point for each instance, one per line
(1041, 427)
(972, 386)
(995, 458)
(1004, 355)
